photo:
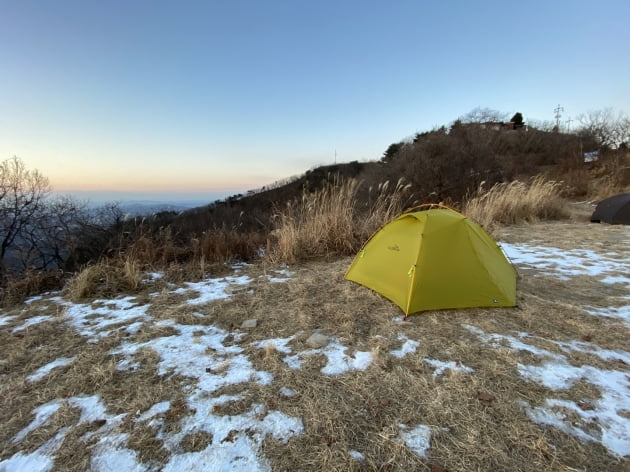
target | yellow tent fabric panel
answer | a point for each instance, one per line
(435, 259)
(384, 263)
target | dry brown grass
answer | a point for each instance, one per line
(15, 290)
(478, 420)
(328, 222)
(610, 178)
(104, 279)
(125, 272)
(515, 202)
(596, 181)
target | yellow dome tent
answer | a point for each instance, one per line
(435, 259)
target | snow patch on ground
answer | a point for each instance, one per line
(279, 344)
(498, 341)
(31, 322)
(286, 392)
(417, 438)
(196, 352)
(5, 320)
(282, 275)
(236, 439)
(441, 367)
(210, 290)
(108, 451)
(409, 347)
(338, 361)
(621, 312)
(616, 279)
(99, 318)
(356, 455)
(44, 370)
(42, 415)
(565, 264)
(603, 420)
(157, 409)
(40, 460)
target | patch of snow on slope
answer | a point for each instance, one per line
(565, 264)
(30, 322)
(604, 420)
(157, 409)
(236, 439)
(621, 312)
(42, 416)
(98, 322)
(356, 455)
(40, 460)
(409, 347)
(44, 370)
(441, 366)
(279, 344)
(5, 320)
(210, 290)
(108, 451)
(417, 438)
(338, 361)
(283, 275)
(499, 341)
(197, 352)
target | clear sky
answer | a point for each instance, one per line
(182, 96)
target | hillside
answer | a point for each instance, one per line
(172, 378)
(253, 211)
(443, 165)
(455, 166)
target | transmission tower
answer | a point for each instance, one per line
(558, 113)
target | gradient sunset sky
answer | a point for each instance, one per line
(224, 96)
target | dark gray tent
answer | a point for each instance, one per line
(614, 210)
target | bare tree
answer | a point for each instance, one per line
(484, 115)
(608, 128)
(53, 234)
(22, 197)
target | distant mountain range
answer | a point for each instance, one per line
(141, 204)
(150, 207)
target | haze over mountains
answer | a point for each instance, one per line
(146, 203)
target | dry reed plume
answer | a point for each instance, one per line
(330, 221)
(515, 202)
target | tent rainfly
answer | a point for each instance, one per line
(435, 259)
(614, 210)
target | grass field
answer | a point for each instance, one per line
(167, 379)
